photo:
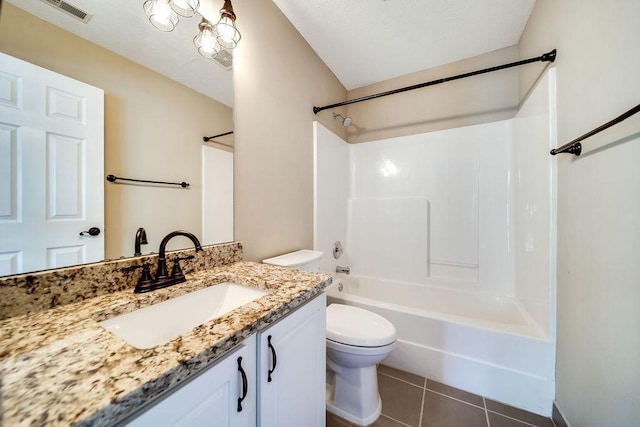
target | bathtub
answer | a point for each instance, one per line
(484, 344)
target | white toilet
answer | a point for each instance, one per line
(357, 340)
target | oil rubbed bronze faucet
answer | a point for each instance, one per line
(163, 279)
(141, 239)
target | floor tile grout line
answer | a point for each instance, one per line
(486, 412)
(393, 419)
(455, 398)
(404, 381)
(424, 394)
(426, 388)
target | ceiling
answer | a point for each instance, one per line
(362, 41)
(369, 41)
(122, 27)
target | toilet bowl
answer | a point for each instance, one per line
(357, 340)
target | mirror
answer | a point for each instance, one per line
(154, 121)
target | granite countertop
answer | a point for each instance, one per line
(59, 367)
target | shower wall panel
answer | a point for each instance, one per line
(331, 192)
(533, 202)
(440, 199)
(390, 237)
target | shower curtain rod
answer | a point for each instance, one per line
(547, 57)
(574, 147)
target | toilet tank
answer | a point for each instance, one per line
(305, 259)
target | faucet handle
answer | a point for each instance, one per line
(176, 271)
(146, 272)
(145, 282)
(130, 268)
(345, 270)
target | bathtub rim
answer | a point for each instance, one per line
(530, 329)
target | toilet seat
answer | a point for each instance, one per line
(360, 351)
(354, 326)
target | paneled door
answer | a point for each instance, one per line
(51, 169)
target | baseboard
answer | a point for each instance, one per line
(558, 417)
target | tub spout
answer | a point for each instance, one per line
(345, 270)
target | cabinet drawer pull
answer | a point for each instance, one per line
(273, 354)
(245, 384)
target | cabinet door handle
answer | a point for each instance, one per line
(275, 359)
(245, 384)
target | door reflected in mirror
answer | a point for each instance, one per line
(153, 129)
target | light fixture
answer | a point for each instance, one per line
(163, 14)
(160, 14)
(206, 41)
(186, 8)
(225, 29)
(211, 39)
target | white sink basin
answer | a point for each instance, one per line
(159, 323)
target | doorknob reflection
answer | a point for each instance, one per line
(93, 231)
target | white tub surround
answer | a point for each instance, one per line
(453, 234)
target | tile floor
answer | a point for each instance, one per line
(412, 401)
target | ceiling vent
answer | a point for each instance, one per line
(225, 59)
(70, 9)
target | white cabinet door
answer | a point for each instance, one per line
(221, 396)
(51, 168)
(291, 369)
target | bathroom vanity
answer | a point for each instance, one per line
(60, 367)
(274, 378)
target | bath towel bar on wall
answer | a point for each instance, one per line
(207, 138)
(113, 178)
(546, 57)
(574, 147)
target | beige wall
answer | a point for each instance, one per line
(278, 79)
(153, 129)
(598, 347)
(479, 99)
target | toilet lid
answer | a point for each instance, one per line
(354, 326)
